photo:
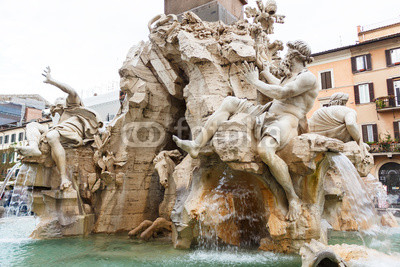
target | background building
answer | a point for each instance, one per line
(15, 110)
(369, 72)
(106, 105)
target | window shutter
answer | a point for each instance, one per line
(356, 94)
(371, 92)
(353, 65)
(328, 79)
(323, 81)
(369, 65)
(364, 133)
(388, 58)
(396, 130)
(390, 88)
(375, 131)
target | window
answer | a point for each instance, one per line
(326, 79)
(396, 130)
(393, 57)
(6, 139)
(1, 140)
(21, 136)
(361, 63)
(389, 175)
(370, 133)
(13, 138)
(4, 159)
(11, 158)
(393, 89)
(364, 93)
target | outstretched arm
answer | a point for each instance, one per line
(302, 84)
(64, 87)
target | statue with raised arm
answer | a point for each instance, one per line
(338, 121)
(277, 122)
(77, 125)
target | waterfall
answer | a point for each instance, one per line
(21, 198)
(362, 206)
(8, 177)
(232, 214)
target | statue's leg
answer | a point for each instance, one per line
(279, 169)
(58, 155)
(34, 131)
(227, 108)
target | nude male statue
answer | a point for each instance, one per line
(76, 126)
(277, 122)
(338, 121)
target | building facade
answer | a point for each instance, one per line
(369, 72)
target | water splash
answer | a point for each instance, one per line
(21, 198)
(362, 207)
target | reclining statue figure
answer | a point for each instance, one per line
(277, 122)
(77, 125)
(338, 121)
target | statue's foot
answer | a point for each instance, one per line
(188, 146)
(294, 209)
(28, 151)
(65, 183)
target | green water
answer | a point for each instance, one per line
(16, 249)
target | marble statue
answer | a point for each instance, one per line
(338, 121)
(77, 125)
(277, 121)
(164, 164)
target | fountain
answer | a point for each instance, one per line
(254, 175)
(21, 198)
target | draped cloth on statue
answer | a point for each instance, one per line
(330, 122)
(77, 124)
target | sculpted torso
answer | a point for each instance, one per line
(303, 91)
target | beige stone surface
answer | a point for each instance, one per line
(389, 220)
(357, 255)
(318, 254)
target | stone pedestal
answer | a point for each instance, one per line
(61, 215)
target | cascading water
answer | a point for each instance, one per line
(362, 206)
(233, 213)
(10, 174)
(21, 198)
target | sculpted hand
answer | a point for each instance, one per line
(250, 72)
(46, 73)
(266, 67)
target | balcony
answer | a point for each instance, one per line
(387, 103)
(385, 148)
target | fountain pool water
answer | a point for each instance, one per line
(16, 249)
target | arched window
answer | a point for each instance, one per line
(389, 175)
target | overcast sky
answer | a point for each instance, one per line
(86, 41)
